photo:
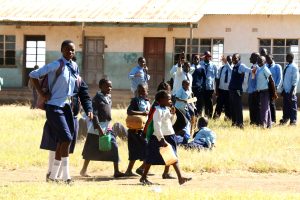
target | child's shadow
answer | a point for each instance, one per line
(99, 178)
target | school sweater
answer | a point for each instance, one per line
(163, 122)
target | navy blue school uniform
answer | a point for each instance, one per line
(162, 125)
(235, 93)
(80, 98)
(136, 139)
(102, 116)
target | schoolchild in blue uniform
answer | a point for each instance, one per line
(182, 95)
(204, 138)
(139, 75)
(136, 140)
(222, 92)
(211, 73)
(58, 107)
(163, 134)
(236, 90)
(263, 80)
(276, 71)
(253, 95)
(289, 89)
(101, 125)
(188, 109)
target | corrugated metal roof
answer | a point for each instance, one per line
(123, 11)
(137, 11)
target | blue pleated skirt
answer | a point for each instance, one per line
(153, 156)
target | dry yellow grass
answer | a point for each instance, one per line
(253, 150)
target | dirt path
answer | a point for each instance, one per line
(235, 180)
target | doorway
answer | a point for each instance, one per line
(93, 60)
(154, 52)
(34, 54)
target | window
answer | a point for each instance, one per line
(279, 48)
(7, 50)
(199, 46)
(35, 51)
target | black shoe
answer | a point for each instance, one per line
(69, 181)
(47, 177)
(293, 123)
(283, 121)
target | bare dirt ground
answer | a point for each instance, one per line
(234, 180)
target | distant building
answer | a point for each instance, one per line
(111, 35)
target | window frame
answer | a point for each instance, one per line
(284, 63)
(5, 49)
(198, 45)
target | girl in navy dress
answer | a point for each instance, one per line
(136, 139)
(163, 134)
(102, 117)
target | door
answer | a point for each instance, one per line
(154, 52)
(93, 60)
(34, 54)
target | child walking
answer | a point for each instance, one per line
(163, 134)
(102, 117)
(136, 140)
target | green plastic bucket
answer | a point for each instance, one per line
(105, 143)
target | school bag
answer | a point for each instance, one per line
(41, 101)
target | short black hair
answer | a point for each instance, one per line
(269, 56)
(237, 55)
(202, 122)
(65, 43)
(185, 81)
(140, 59)
(291, 55)
(141, 86)
(103, 81)
(163, 86)
(161, 95)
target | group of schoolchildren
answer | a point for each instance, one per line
(171, 117)
(263, 80)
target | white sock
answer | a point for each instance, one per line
(59, 175)
(54, 170)
(51, 160)
(65, 168)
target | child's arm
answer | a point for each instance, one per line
(157, 120)
(132, 112)
(179, 99)
(96, 122)
(133, 109)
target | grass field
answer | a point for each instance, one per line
(253, 149)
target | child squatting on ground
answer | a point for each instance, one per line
(204, 138)
(162, 135)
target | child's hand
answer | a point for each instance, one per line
(172, 110)
(163, 143)
(138, 74)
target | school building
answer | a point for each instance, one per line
(111, 35)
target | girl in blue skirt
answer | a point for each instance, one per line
(136, 139)
(163, 134)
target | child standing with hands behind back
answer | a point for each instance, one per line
(163, 134)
